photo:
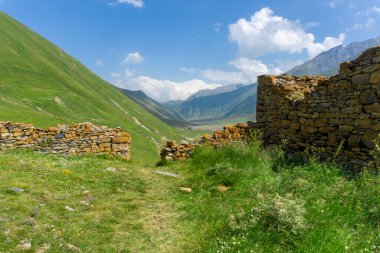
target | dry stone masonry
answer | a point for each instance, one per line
(320, 112)
(307, 112)
(229, 135)
(75, 139)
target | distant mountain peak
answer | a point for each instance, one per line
(327, 63)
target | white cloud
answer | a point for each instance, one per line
(265, 33)
(217, 27)
(115, 75)
(132, 58)
(190, 70)
(99, 63)
(311, 25)
(165, 90)
(129, 73)
(376, 9)
(369, 24)
(134, 3)
(247, 73)
(351, 4)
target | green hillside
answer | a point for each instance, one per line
(160, 111)
(214, 107)
(41, 84)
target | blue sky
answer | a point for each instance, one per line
(173, 48)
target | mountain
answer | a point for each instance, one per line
(327, 63)
(160, 111)
(210, 92)
(208, 108)
(242, 101)
(247, 108)
(43, 85)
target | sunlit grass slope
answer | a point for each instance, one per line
(41, 84)
(272, 205)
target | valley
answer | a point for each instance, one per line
(262, 163)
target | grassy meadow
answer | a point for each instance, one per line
(249, 199)
(243, 198)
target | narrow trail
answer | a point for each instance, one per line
(160, 212)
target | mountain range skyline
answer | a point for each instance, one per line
(171, 50)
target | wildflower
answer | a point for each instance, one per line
(66, 172)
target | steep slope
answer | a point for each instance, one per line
(41, 84)
(327, 63)
(160, 111)
(212, 107)
(245, 108)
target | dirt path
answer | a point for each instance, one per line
(160, 212)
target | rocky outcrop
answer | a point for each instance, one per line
(75, 139)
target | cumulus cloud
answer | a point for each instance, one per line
(99, 63)
(266, 33)
(132, 58)
(351, 4)
(134, 3)
(115, 75)
(190, 69)
(247, 73)
(165, 90)
(369, 24)
(217, 27)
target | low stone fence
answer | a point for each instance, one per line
(229, 135)
(75, 139)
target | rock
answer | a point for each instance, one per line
(368, 97)
(84, 203)
(70, 209)
(72, 248)
(44, 248)
(361, 79)
(121, 140)
(186, 189)
(16, 189)
(369, 138)
(111, 169)
(206, 137)
(170, 143)
(168, 174)
(375, 78)
(222, 188)
(24, 245)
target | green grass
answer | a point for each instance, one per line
(41, 84)
(271, 205)
(275, 206)
(130, 210)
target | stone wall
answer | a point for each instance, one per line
(75, 139)
(321, 112)
(229, 135)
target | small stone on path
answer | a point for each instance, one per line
(24, 246)
(16, 189)
(72, 248)
(222, 188)
(44, 248)
(186, 189)
(111, 169)
(168, 174)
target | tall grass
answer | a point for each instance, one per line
(275, 206)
